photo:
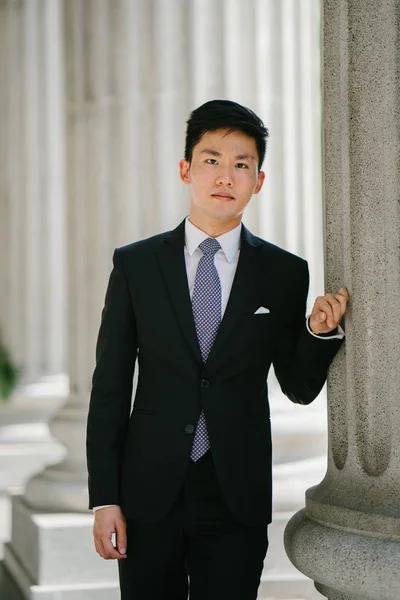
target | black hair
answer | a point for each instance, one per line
(225, 114)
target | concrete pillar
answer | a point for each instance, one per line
(4, 208)
(94, 102)
(51, 552)
(288, 99)
(33, 267)
(11, 296)
(207, 73)
(348, 536)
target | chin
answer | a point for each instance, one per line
(223, 217)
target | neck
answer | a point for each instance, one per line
(214, 229)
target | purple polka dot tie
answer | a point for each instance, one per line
(206, 306)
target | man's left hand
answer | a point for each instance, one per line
(328, 311)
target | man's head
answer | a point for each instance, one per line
(225, 114)
(225, 148)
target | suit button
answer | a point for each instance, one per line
(189, 428)
(205, 383)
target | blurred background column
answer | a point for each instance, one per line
(131, 72)
(32, 240)
(97, 210)
(348, 537)
(51, 549)
(32, 196)
(32, 269)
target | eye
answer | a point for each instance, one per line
(214, 162)
(242, 165)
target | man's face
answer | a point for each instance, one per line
(223, 175)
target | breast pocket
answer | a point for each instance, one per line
(259, 330)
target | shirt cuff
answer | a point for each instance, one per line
(103, 506)
(339, 335)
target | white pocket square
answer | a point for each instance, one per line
(262, 311)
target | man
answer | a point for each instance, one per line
(185, 479)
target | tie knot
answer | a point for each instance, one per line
(209, 246)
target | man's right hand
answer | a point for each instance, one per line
(107, 521)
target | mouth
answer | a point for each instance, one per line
(223, 196)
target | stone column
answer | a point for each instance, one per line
(51, 552)
(11, 296)
(33, 268)
(348, 536)
(94, 103)
(41, 238)
(288, 99)
(4, 238)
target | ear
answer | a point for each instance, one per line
(184, 168)
(261, 179)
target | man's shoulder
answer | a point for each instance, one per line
(143, 246)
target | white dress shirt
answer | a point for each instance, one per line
(226, 261)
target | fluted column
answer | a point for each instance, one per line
(288, 99)
(11, 320)
(33, 269)
(94, 104)
(4, 209)
(348, 536)
(40, 228)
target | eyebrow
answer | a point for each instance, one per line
(216, 153)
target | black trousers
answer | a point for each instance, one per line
(198, 549)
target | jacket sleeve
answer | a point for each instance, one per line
(301, 360)
(111, 395)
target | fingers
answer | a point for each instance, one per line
(344, 292)
(108, 551)
(121, 536)
(104, 547)
(343, 300)
(331, 307)
(110, 521)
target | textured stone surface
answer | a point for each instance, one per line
(364, 567)
(348, 538)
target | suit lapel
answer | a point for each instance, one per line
(242, 288)
(172, 263)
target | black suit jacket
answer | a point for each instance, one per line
(138, 459)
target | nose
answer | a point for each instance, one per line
(224, 177)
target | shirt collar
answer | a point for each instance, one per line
(229, 241)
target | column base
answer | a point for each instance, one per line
(280, 580)
(58, 488)
(332, 595)
(347, 565)
(51, 557)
